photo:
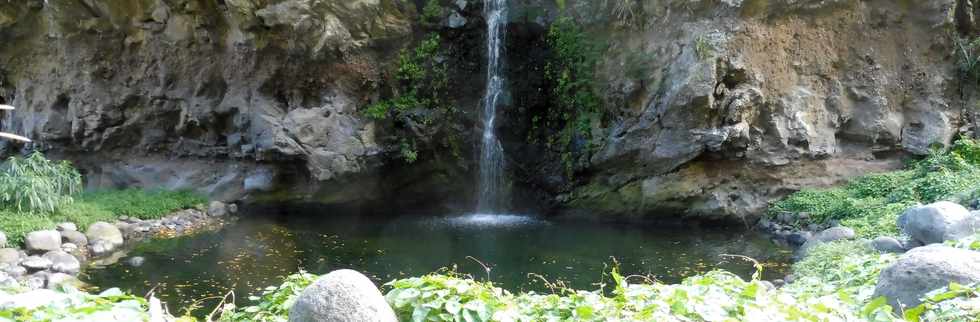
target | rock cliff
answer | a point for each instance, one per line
(711, 107)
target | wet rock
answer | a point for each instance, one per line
(67, 226)
(43, 241)
(342, 296)
(63, 262)
(36, 263)
(925, 269)
(911, 244)
(74, 237)
(887, 245)
(937, 222)
(799, 238)
(102, 231)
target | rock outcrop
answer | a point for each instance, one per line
(203, 95)
(715, 108)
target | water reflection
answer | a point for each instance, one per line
(259, 250)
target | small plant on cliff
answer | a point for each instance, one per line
(36, 184)
(420, 99)
(575, 103)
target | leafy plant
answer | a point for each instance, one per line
(273, 304)
(419, 100)
(36, 184)
(575, 103)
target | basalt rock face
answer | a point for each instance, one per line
(714, 108)
(212, 95)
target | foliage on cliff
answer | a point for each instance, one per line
(871, 204)
(420, 99)
(566, 126)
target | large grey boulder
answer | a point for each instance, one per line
(63, 262)
(43, 241)
(925, 269)
(342, 296)
(103, 231)
(937, 222)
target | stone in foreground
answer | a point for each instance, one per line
(342, 296)
(925, 269)
(43, 241)
(102, 231)
(63, 262)
(937, 222)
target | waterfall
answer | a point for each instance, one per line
(492, 198)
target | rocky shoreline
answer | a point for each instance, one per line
(50, 258)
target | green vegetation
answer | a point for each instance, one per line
(872, 203)
(73, 305)
(36, 184)
(834, 283)
(575, 102)
(419, 99)
(91, 207)
(432, 12)
(274, 302)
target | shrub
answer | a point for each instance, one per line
(36, 184)
(871, 204)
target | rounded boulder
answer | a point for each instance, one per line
(103, 231)
(43, 241)
(925, 269)
(342, 296)
(936, 222)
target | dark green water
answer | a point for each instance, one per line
(260, 249)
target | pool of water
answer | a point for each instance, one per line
(265, 245)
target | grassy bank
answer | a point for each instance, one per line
(90, 207)
(871, 204)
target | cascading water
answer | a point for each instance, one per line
(492, 197)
